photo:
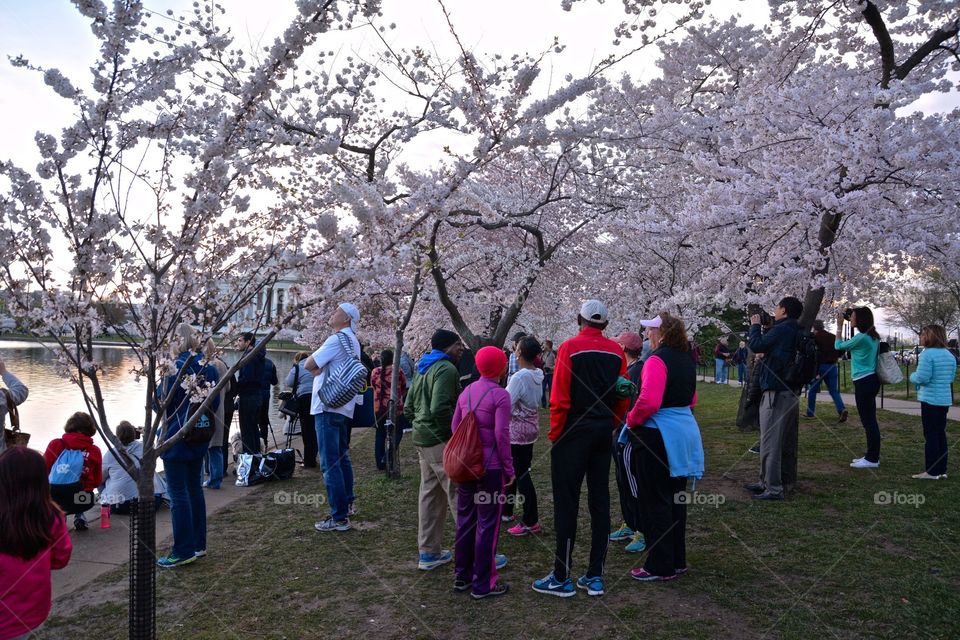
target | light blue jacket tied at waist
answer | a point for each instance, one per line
(681, 439)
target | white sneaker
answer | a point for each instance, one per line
(863, 463)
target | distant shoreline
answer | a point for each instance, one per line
(282, 346)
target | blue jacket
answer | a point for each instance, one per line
(681, 440)
(176, 414)
(304, 379)
(778, 346)
(936, 370)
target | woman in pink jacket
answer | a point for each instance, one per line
(33, 541)
(480, 503)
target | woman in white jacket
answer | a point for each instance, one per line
(525, 389)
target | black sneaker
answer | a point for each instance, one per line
(498, 590)
(843, 416)
(755, 449)
(755, 487)
(766, 495)
(459, 586)
(79, 524)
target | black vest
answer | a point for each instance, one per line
(681, 377)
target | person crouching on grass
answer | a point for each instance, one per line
(480, 503)
(670, 449)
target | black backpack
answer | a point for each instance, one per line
(804, 365)
(203, 428)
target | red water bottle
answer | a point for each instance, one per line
(104, 516)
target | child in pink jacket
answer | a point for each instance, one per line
(33, 541)
(480, 503)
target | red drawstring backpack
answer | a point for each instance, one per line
(463, 455)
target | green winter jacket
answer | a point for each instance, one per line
(430, 403)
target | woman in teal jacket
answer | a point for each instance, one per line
(863, 349)
(935, 372)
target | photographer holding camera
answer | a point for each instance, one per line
(863, 348)
(778, 400)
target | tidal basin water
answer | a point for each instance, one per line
(53, 399)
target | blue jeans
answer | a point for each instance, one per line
(213, 463)
(720, 371)
(188, 510)
(333, 440)
(380, 440)
(830, 374)
(742, 372)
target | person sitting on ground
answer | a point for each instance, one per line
(670, 451)
(936, 370)
(525, 389)
(14, 395)
(480, 503)
(632, 345)
(119, 490)
(33, 541)
(429, 408)
(73, 453)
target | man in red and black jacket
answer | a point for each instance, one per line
(584, 410)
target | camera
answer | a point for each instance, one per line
(757, 310)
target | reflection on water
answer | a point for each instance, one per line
(53, 399)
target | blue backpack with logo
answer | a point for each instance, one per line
(67, 468)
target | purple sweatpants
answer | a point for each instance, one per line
(479, 505)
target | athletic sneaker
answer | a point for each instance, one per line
(332, 525)
(637, 544)
(200, 554)
(755, 449)
(592, 585)
(498, 590)
(863, 463)
(643, 575)
(553, 587)
(681, 570)
(622, 534)
(169, 562)
(506, 518)
(79, 523)
(843, 416)
(501, 561)
(430, 561)
(927, 476)
(521, 529)
(352, 509)
(459, 586)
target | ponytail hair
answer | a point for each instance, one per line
(865, 322)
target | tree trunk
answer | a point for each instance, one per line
(393, 426)
(143, 556)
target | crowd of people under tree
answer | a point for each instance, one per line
(627, 401)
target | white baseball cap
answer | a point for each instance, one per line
(594, 311)
(652, 323)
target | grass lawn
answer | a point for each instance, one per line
(830, 562)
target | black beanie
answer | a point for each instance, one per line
(443, 339)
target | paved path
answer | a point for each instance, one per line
(896, 405)
(98, 551)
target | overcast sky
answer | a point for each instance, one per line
(51, 33)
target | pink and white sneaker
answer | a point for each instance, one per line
(521, 529)
(643, 575)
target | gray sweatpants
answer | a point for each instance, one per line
(775, 409)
